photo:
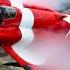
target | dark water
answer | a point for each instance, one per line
(4, 58)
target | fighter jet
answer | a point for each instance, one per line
(17, 20)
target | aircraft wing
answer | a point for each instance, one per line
(27, 38)
(8, 49)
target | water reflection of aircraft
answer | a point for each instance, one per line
(38, 49)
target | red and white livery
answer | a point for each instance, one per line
(13, 23)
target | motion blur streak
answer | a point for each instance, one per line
(58, 5)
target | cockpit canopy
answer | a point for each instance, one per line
(7, 12)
